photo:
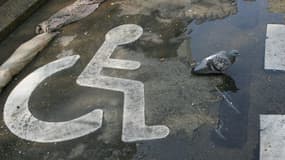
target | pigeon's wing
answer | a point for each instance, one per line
(220, 62)
(201, 68)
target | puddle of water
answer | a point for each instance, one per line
(245, 32)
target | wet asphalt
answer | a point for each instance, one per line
(203, 125)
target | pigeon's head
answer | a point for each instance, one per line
(232, 55)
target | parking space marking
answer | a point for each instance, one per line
(272, 137)
(134, 127)
(275, 47)
(22, 123)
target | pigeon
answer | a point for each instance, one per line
(216, 63)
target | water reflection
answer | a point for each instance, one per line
(230, 130)
(228, 84)
(244, 31)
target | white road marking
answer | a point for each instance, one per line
(22, 123)
(272, 137)
(272, 127)
(134, 127)
(275, 47)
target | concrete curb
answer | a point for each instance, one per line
(13, 12)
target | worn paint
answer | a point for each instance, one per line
(22, 123)
(272, 137)
(134, 127)
(275, 47)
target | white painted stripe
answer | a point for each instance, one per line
(272, 137)
(275, 47)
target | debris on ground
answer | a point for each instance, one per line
(27, 51)
(74, 12)
(22, 56)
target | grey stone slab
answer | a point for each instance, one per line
(13, 12)
(275, 47)
(272, 137)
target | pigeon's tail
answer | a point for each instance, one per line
(195, 71)
(198, 69)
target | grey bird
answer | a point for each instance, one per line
(216, 63)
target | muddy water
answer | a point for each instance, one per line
(189, 105)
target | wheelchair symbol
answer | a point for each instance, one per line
(23, 124)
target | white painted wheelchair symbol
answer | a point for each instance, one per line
(22, 123)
